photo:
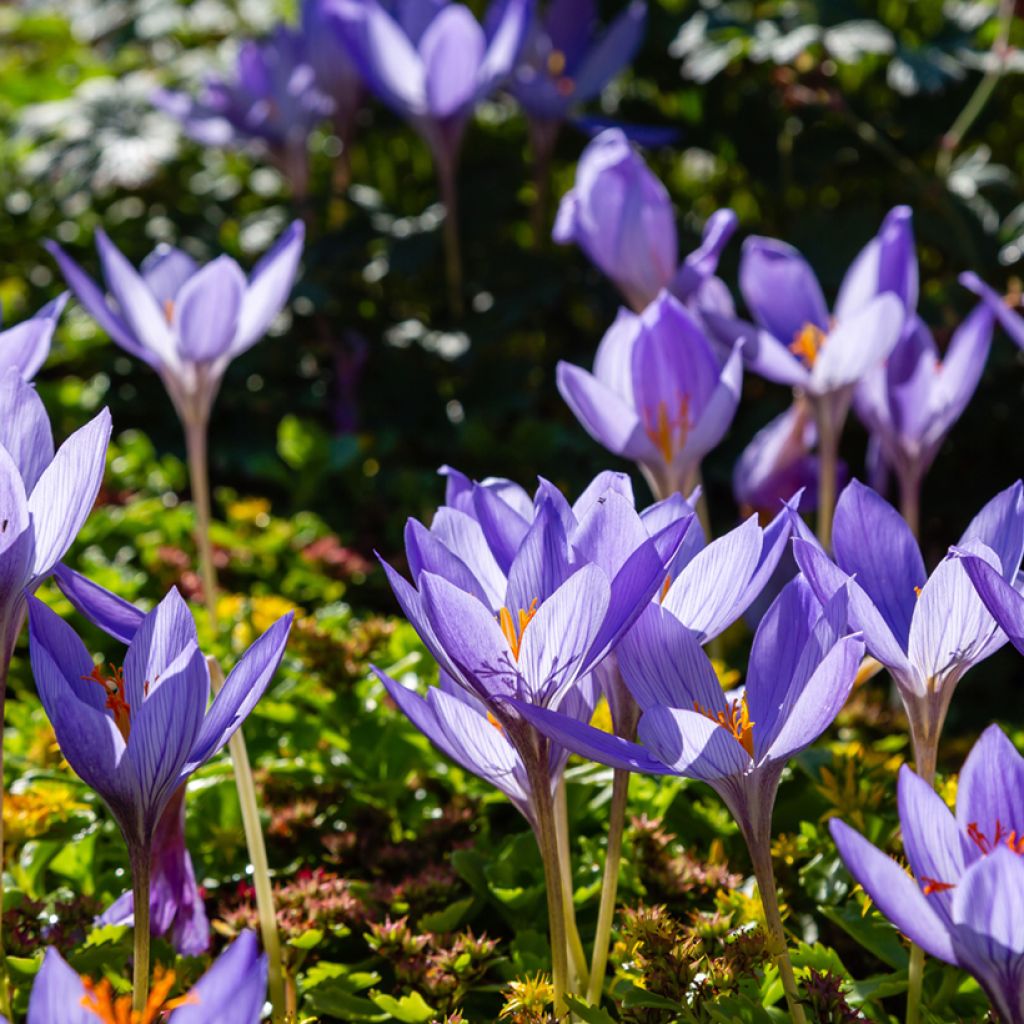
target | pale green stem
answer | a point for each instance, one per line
(140, 860)
(609, 885)
(576, 952)
(196, 444)
(910, 502)
(828, 470)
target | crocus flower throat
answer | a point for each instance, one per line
(118, 706)
(807, 344)
(512, 630)
(100, 1000)
(1002, 836)
(735, 719)
(662, 427)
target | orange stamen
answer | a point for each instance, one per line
(661, 427)
(807, 344)
(493, 721)
(169, 310)
(932, 885)
(665, 588)
(917, 591)
(100, 1000)
(1009, 838)
(116, 703)
(736, 718)
(512, 634)
(556, 63)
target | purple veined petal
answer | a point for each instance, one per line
(206, 312)
(541, 564)
(987, 908)
(270, 284)
(64, 495)
(1000, 527)
(396, 69)
(87, 735)
(115, 616)
(774, 545)
(569, 25)
(25, 428)
(555, 644)
(691, 744)
(720, 409)
(95, 302)
(856, 344)
(25, 346)
(471, 639)
(895, 893)
(138, 306)
(806, 714)
(664, 665)
(935, 848)
(613, 361)
(245, 685)
(961, 369)
(58, 995)
(608, 418)
(462, 535)
(158, 642)
(164, 729)
(780, 289)
(616, 48)
(873, 543)
(458, 488)
(427, 553)
(165, 271)
(507, 28)
(587, 741)
(606, 482)
(705, 593)
(952, 629)
(990, 794)
(15, 537)
(1004, 603)
(547, 494)
(415, 16)
(451, 49)
(505, 527)
(234, 988)
(609, 532)
(825, 579)
(465, 735)
(763, 353)
(1011, 322)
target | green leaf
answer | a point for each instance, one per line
(636, 996)
(587, 1013)
(448, 919)
(410, 1009)
(873, 932)
(308, 940)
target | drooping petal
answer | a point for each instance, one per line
(207, 310)
(1010, 320)
(1004, 603)
(25, 346)
(895, 893)
(58, 995)
(115, 616)
(1000, 527)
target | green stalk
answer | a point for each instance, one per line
(575, 943)
(910, 502)
(140, 859)
(828, 470)
(196, 443)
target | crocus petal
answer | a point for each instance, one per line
(269, 286)
(115, 616)
(58, 995)
(505, 41)
(780, 289)
(856, 344)
(990, 793)
(165, 271)
(451, 49)
(207, 310)
(541, 564)
(137, 304)
(717, 416)
(427, 553)
(1000, 527)
(462, 535)
(63, 497)
(397, 72)
(1011, 322)
(234, 988)
(244, 686)
(24, 428)
(1004, 603)
(504, 525)
(26, 345)
(961, 370)
(692, 744)
(616, 48)
(895, 893)
(888, 263)
(161, 637)
(613, 360)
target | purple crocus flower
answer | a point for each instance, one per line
(234, 988)
(910, 402)
(962, 901)
(176, 908)
(45, 498)
(658, 394)
(136, 734)
(564, 64)
(998, 591)
(25, 346)
(621, 216)
(1006, 309)
(926, 630)
(273, 100)
(186, 322)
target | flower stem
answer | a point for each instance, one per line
(452, 245)
(543, 136)
(575, 943)
(140, 859)
(910, 502)
(6, 653)
(828, 470)
(609, 885)
(196, 443)
(546, 830)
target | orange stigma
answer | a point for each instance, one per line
(917, 591)
(494, 722)
(169, 310)
(665, 588)
(116, 703)
(1007, 837)
(807, 344)
(736, 718)
(662, 428)
(512, 631)
(932, 885)
(110, 1009)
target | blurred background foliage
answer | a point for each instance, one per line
(809, 119)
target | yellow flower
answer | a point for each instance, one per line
(31, 813)
(250, 510)
(267, 610)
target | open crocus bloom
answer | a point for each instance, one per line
(45, 497)
(963, 899)
(910, 402)
(232, 990)
(25, 346)
(185, 321)
(135, 734)
(621, 216)
(658, 394)
(927, 630)
(802, 666)
(432, 62)
(1005, 308)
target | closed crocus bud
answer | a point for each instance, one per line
(621, 216)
